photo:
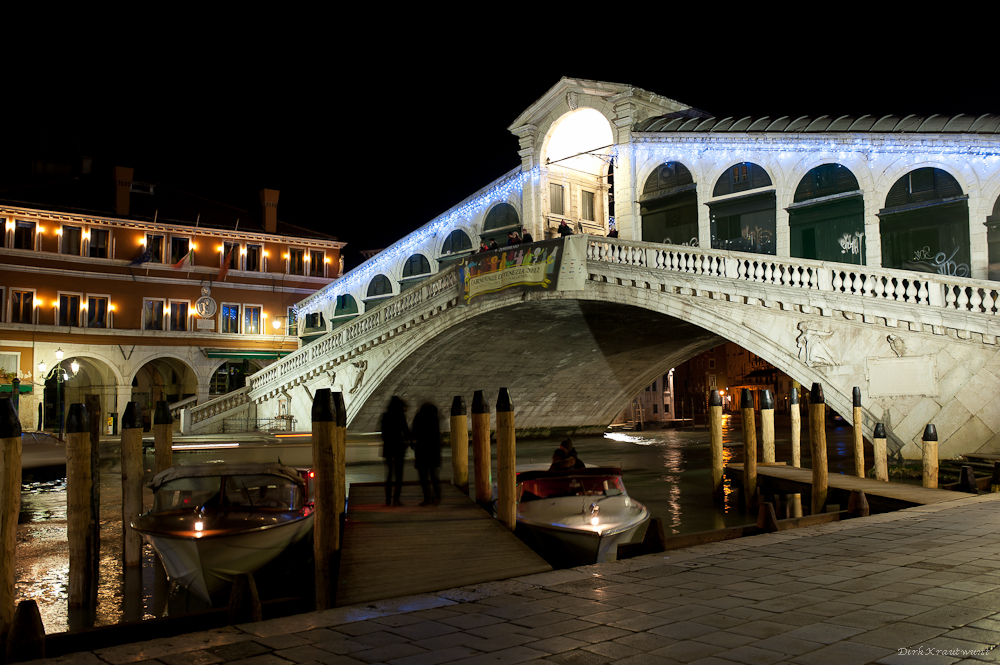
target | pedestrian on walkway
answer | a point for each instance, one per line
(395, 439)
(427, 452)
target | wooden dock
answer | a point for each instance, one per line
(389, 552)
(882, 497)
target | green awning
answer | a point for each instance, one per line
(241, 354)
(7, 388)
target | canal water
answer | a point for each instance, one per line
(668, 470)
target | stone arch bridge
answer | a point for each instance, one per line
(923, 348)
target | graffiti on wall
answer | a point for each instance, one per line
(851, 243)
(693, 242)
(941, 262)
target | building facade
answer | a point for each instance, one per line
(154, 296)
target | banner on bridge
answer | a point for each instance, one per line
(548, 265)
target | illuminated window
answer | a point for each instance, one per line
(179, 248)
(22, 306)
(97, 312)
(178, 315)
(296, 262)
(291, 322)
(72, 237)
(230, 318)
(24, 235)
(316, 263)
(152, 314)
(255, 256)
(587, 206)
(100, 241)
(154, 245)
(251, 320)
(231, 252)
(69, 309)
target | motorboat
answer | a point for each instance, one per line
(575, 517)
(212, 521)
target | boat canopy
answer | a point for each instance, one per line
(208, 469)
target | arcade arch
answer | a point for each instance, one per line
(500, 220)
(826, 219)
(746, 222)
(669, 206)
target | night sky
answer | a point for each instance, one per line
(368, 150)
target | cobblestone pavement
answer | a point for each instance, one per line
(916, 586)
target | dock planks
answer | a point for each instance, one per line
(881, 496)
(390, 552)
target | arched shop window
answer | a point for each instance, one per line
(925, 224)
(669, 206)
(993, 242)
(744, 223)
(500, 221)
(416, 265)
(379, 286)
(827, 219)
(346, 305)
(457, 241)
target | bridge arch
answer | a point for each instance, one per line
(563, 112)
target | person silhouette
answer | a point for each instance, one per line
(395, 439)
(427, 452)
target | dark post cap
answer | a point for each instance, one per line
(132, 418)
(879, 432)
(10, 426)
(857, 397)
(458, 406)
(746, 399)
(77, 421)
(503, 401)
(816, 394)
(340, 409)
(322, 408)
(161, 416)
(794, 397)
(479, 404)
(767, 400)
(715, 399)
(930, 433)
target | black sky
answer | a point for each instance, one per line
(370, 142)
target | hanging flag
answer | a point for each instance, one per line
(186, 262)
(224, 270)
(145, 257)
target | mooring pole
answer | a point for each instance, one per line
(930, 455)
(817, 443)
(326, 523)
(459, 437)
(749, 449)
(715, 428)
(163, 436)
(340, 457)
(10, 494)
(93, 404)
(859, 442)
(506, 461)
(881, 453)
(793, 409)
(131, 452)
(481, 448)
(78, 507)
(767, 426)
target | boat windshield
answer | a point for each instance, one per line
(545, 488)
(249, 491)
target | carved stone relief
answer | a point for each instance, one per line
(813, 351)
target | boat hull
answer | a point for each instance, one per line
(568, 547)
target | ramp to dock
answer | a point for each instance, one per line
(881, 496)
(389, 552)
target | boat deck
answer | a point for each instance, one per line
(881, 496)
(389, 552)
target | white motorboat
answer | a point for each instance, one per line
(213, 521)
(577, 516)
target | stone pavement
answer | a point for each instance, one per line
(912, 587)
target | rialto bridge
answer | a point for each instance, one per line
(852, 251)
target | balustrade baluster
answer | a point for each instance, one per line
(949, 297)
(758, 271)
(922, 293)
(769, 273)
(963, 299)
(975, 300)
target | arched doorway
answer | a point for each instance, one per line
(925, 224)
(669, 206)
(827, 218)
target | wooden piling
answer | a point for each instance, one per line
(78, 508)
(817, 444)
(749, 449)
(163, 436)
(715, 427)
(930, 456)
(506, 461)
(793, 410)
(244, 603)
(995, 479)
(794, 505)
(339, 457)
(481, 448)
(767, 520)
(767, 426)
(131, 453)
(326, 523)
(967, 481)
(881, 453)
(93, 404)
(859, 442)
(26, 636)
(10, 495)
(857, 504)
(459, 437)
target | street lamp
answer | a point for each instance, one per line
(60, 376)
